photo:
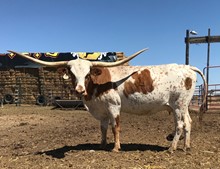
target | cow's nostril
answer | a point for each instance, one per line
(80, 90)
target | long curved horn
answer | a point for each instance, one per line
(111, 64)
(45, 63)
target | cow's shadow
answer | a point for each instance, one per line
(60, 152)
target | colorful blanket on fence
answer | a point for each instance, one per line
(10, 60)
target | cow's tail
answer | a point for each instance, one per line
(205, 92)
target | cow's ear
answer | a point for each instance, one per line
(95, 71)
(63, 71)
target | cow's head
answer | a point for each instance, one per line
(80, 69)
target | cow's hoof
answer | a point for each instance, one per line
(103, 145)
(187, 150)
(171, 150)
(115, 150)
(170, 137)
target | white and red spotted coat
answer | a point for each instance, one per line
(136, 89)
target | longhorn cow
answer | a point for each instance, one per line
(110, 88)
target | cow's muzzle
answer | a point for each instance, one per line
(80, 90)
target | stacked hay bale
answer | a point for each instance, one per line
(52, 85)
(20, 83)
(7, 81)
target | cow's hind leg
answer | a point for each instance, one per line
(171, 135)
(187, 131)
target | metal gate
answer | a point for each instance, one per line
(213, 98)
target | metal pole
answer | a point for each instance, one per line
(187, 47)
(207, 70)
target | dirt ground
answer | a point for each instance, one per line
(42, 137)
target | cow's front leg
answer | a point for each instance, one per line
(114, 107)
(104, 128)
(179, 129)
(116, 133)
